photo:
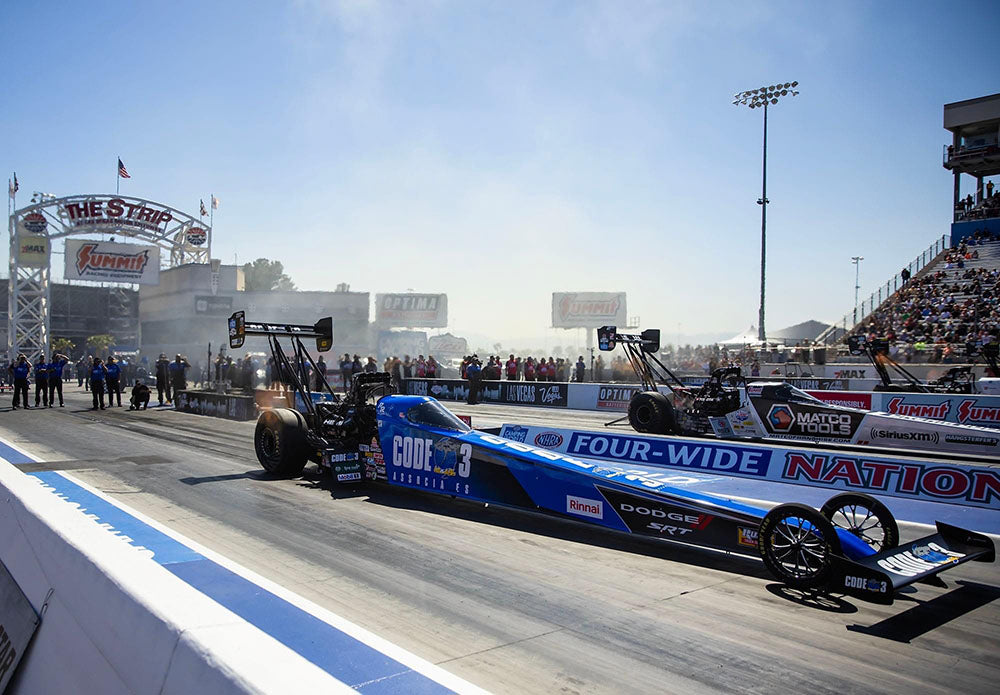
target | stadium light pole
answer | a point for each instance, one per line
(760, 98)
(856, 260)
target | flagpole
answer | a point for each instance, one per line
(118, 176)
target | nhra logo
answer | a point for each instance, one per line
(781, 418)
(549, 440)
(35, 222)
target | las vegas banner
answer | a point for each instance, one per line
(105, 261)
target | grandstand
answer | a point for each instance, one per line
(949, 295)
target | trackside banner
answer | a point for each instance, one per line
(905, 478)
(963, 408)
(105, 261)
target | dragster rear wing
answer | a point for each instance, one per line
(608, 338)
(240, 328)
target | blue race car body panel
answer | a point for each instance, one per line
(420, 445)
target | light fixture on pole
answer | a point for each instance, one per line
(760, 98)
(856, 260)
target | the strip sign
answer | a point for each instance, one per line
(895, 477)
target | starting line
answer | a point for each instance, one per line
(346, 651)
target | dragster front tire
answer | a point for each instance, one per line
(280, 442)
(650, 411)
(865, 517)
(797, 544)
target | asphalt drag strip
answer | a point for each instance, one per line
(516, 602)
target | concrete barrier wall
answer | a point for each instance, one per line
(116, 622)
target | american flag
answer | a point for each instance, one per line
(12, 188)
(122, 171)
(203, 210)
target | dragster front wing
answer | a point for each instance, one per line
(877, 577)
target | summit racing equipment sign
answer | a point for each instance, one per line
(963, 409)
(588, 309)
(103, 261)
(411, 310)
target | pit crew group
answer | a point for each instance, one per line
(101, 377)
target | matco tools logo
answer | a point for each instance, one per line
(781, 418)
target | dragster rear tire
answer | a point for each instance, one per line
(842, 511)
(650, 411)
(280, 442)
(797, 544)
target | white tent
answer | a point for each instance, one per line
(747, 337)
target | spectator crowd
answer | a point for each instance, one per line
(932, 317)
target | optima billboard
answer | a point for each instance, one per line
(588, 309)
(411, 310)
(104, 261)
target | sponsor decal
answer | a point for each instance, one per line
(747, 536)
(919, 559)
(550, 394)
(341, 457)
(896, 406)
(902, 478)
(881, 433)
(865, 584)
(549, 440)
(755, 390)
(343, 477)
(804, 421)
(615, 397)
(745, 460)
(588, 309)
(849, 374)
(970, 440)
(781, 418)
(35, 222)
(412, 310)
(112, 262)
(515, 433)
(521, 393)
(585, 507)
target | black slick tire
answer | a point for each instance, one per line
(280, 443)
(650, 411)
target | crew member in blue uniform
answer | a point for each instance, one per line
(473, 372)
(56, 378)
(178, 378)
(41, 382)
(19, 372)
(98, 373)
(114, 372)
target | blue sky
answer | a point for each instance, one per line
(502, 151)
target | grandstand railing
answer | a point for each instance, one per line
(840, 327)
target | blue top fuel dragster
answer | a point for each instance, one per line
(850, 546)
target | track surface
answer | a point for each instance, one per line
(516, 602)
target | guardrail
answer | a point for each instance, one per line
(883, 292)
